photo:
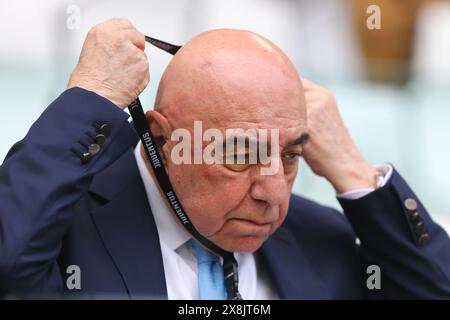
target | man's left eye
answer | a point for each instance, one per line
(292, 155)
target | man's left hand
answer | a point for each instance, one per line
(331, 152)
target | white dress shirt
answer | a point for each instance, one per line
(180, 264)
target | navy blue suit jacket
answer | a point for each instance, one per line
(57, 211)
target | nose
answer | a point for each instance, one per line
(272, 188)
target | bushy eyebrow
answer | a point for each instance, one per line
(301, 140)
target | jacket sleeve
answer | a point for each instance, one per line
(397, 234)
(44, 175)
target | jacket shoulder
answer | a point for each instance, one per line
(313, 218)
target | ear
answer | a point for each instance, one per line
(161, 131)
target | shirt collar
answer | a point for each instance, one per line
(170, 232)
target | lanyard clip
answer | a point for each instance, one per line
(230, 269)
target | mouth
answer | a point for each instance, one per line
(252, 227)
(253, 222)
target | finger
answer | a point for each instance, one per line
(136, 38)
(143, 61)
(313, 96)
(119, 23)
(139, 55)
(146, 79)
(308, 85)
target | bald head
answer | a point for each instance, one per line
(225, 75)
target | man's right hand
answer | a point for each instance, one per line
(113, 63)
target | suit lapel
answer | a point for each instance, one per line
(126, 225)
(289, 269)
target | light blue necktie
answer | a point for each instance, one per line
(210, 274)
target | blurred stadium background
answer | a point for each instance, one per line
(392, 85)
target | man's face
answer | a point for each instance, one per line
(235, 206)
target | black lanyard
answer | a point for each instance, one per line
(230, 266)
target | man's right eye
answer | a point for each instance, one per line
(231, 162)
(237, 167)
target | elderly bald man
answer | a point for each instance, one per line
(101, 226)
